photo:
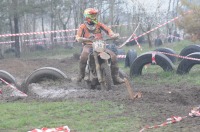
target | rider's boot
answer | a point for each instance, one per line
(81, 74)
(115, 75)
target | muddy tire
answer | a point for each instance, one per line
(41, 73)
(188, 50)
(186, 65)
(130, 57)
(163, 61)
(7, 77)
(170, 51)
(106, 73)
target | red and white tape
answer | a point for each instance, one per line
(179, 56)
(121, 56)
(47, 32)
(14, 88)
(195, 112)
(159, 26)
(171, 120)
(58, 129)
(36, 33)
(153, 58)
(7, 42)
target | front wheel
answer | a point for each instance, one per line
(106, 76)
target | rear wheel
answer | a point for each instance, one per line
(107, 78)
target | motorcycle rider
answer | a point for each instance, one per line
(92, 28)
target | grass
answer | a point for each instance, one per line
(82, 116)
(88, 116)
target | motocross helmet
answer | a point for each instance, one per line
(90, 15)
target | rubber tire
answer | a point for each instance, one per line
(146, 58)
(121, 52)
(168, 50)
(7, 77)
(130, 57)
(106, 72)
(189, 49)
(185, 65)
(44, 72)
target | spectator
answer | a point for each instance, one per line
(158, 42)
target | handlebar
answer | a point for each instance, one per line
(115, 36)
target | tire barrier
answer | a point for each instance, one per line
(39, 74)
(186, 64)
(168, 50)
(121, 55)
(7, 77)
(130, 57)
(161, 60)
(189, 49)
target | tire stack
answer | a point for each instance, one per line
(186, 65)
(146, 58)
(166, 58)
(130, 57)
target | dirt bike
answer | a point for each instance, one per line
(98, 71)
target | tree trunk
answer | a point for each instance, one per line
(11, 31)
(168, 11)
(149, 36)
(16, 28)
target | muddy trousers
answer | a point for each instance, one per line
(114, 66)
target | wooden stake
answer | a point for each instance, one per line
(130, 90)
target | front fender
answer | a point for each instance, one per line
(104, 55)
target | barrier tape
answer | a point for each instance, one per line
(138, 43)
(47, 32)
(58, 129)
(13, 87)
(8, 42)
(179, 56)
(171, 120)
(159, 26)
(153, 59)
(195, 112)
(121, 56)
(128, 40)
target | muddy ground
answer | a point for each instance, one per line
(165, 100)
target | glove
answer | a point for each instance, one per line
(115, 36)
(82, 39)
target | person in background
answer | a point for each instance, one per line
(91, 28)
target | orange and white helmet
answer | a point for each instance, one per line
(91, 15)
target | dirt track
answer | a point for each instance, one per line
(164, 99)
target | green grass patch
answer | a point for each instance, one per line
(82, 116)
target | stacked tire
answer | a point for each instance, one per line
(192, 57)
(161, 60)
(130, 57)
(168, 52)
